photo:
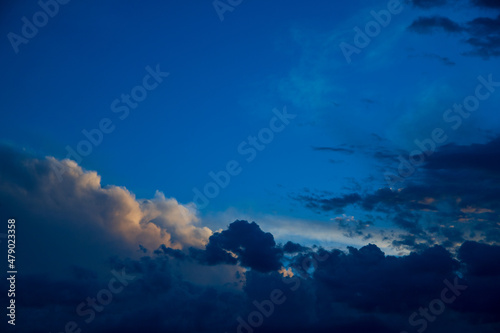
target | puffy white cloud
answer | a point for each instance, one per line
(63, 208)
(116, 210)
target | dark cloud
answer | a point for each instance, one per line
(245, 243)
(487, 3)
(331, 291)
(477, 158)
(455, 198)
(383, 200)
(369, 265)
(484, 36)
(482, 33)
(335, 149)
(322, 203)
(481, 259)
(178, 254)
(470, 173)
(364, 290)
(356, 291)
(427, 25)
(482, 275)
(291, 247)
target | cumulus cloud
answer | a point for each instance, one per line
(245, 243)
(186, 280)
(357, 290)
(63, 211)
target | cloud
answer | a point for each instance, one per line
(444, 60)
(291, 247)
(481, 259)
(482, 33)
(365, 290)
(428, 25)
(335, 149)
(486, 3)
(157, 299)
(245, 243)
(454, 199)
(484, 36)
(351, 226)
(481, 274)
(336, 204)
(358, 290)
(79, 207)
(369, 265)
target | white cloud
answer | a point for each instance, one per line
(74, 217)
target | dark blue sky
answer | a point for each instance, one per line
(329, 123)
(225, 80)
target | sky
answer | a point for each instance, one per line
(246, 166)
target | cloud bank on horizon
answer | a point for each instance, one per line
(161, 246)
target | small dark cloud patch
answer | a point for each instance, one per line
(487, 3)
(443, 60)
(426, 4)
(322, 203)
(335, 149)
(428, 25)
(291, 247)
(477, 158)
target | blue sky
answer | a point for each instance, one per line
(225, 78)
(221, 90)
